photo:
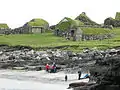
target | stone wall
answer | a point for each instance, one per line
(5, 31)
(22, 30)
(80, 36)
(96, 37)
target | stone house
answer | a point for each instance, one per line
(74, 34)
(28, 30)
(33, 29)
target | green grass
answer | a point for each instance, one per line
(96, 31)
(49, 40)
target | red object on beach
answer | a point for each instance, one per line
(47, 67)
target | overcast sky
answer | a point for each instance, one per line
(16, 12)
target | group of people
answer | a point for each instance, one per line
(51, 69)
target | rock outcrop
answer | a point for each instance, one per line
(105, 72)
(85, 19)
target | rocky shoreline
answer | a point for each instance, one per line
(20, 57)
(104, 65)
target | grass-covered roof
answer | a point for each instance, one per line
(37, 22)
(3, 25)
(67, 23)
(117, 17)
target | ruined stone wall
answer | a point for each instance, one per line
(5, 31)
(20, 30)
(96, 37)
(82, 37)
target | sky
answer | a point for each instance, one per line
(17, 12)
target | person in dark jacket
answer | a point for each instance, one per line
(66, 77)
(79, 74)
(54, 67)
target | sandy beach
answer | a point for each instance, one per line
(35, 80)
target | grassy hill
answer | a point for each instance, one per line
(49, 40)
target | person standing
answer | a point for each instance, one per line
(66, 77)
(79, 74)
(47, 67)
(54, 67)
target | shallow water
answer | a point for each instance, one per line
(35, 80)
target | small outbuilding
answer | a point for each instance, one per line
(74, 34)
(69, 29)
